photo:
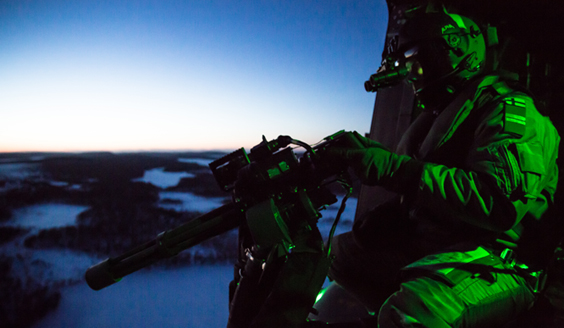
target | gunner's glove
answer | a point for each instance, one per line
(374, 164)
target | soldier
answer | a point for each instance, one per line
(474, 174)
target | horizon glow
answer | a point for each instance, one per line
(184, 75)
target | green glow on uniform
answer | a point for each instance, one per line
(458, 21)
(320, 294)
(515, 118)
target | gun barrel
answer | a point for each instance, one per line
(167, 244)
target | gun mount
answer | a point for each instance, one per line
(274, 192)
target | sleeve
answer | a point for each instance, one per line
(509, 171)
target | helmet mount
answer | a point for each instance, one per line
(446, 50)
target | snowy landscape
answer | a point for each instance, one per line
(61, 213)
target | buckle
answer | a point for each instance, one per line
(508, 257)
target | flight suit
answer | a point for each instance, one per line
(487, 171)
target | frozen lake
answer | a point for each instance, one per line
(195, 297)
(185, 201)
(19, 171)
(159, 178)
(46, 265)
(45, 216)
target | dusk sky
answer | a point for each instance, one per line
(184, 75)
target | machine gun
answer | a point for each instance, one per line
(277, 196)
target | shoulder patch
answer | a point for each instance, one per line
(515, 116)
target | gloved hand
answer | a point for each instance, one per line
(376, 165)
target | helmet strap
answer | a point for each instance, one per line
(440, 91)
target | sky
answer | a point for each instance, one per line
(184, 75)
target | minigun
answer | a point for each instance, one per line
(275, 192)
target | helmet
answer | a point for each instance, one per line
(440, 49)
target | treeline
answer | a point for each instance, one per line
(24, 300)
